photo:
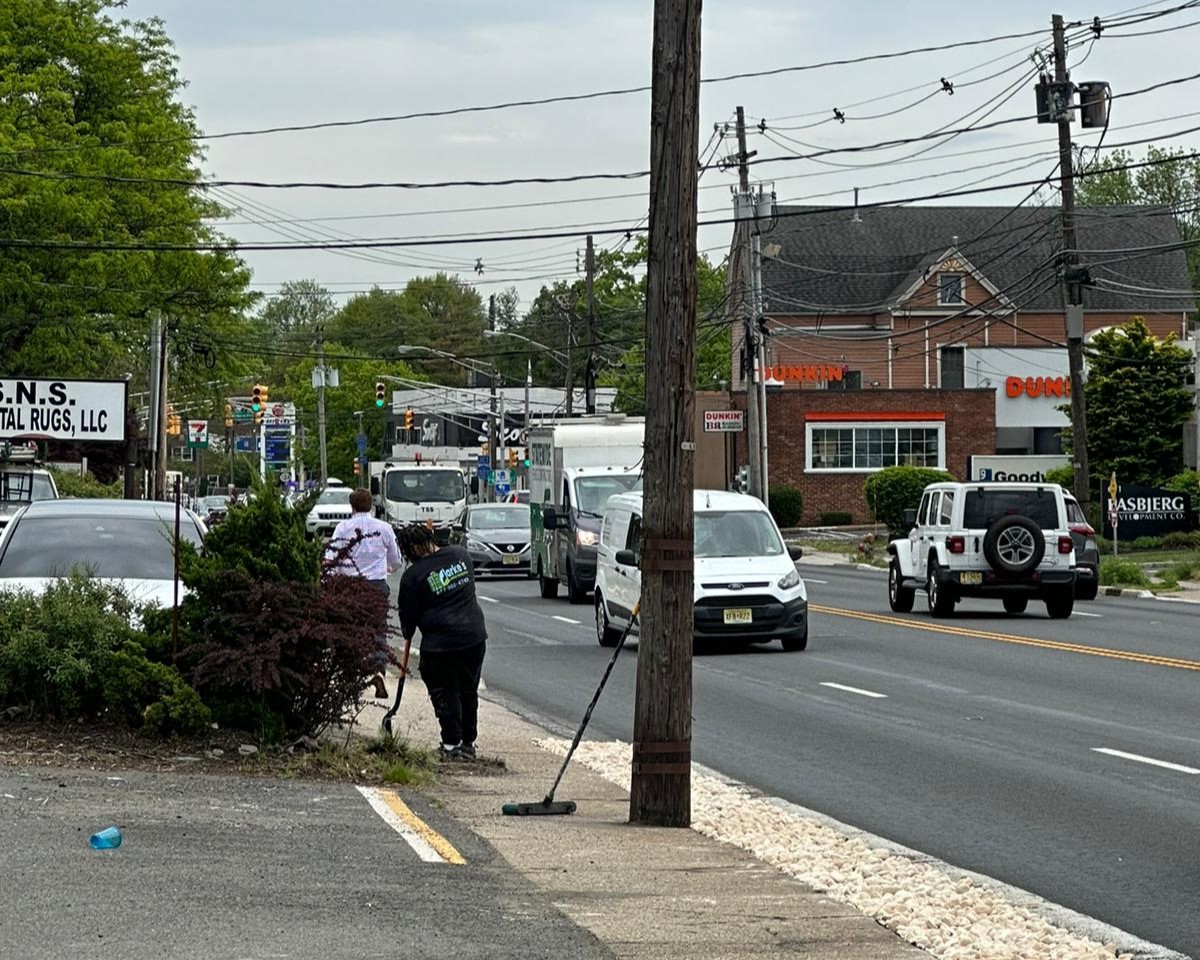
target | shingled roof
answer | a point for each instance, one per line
(835, 261)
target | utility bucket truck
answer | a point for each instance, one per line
(575, 466)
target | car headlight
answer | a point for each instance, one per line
(585, 538)
(473, 544)
(789, 580)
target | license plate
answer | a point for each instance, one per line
(510, 560)
(975, 577)
(743, 615)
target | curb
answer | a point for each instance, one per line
(1124, 592)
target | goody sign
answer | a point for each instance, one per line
(62, 409)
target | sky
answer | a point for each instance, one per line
(262, 63)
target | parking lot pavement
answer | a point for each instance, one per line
(222, 867)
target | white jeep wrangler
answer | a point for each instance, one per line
(1005, 540)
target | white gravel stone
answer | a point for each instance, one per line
(950, 917)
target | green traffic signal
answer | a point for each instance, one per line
(379, 403)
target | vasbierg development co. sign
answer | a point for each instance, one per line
(1147, 512)
(83, 410)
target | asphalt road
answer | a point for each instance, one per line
(217, 868)
(976, 739)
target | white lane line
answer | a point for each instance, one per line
(1165, 764)
(813, 580)
(392, 819)
(566, 620)
(858, 690)
(488, 599)
(1080, 613)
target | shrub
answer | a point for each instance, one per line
(272, 643)
(787, 505)
(1115, 571)
(72, 484)
(893, 490)
(1187, 482)
(835, 519)
(1182, 540)
(1146, 543)
(74, 651)
(1063, 476)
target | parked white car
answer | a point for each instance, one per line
(747, 588)
(1010, 541)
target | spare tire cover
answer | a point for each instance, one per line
(1014, 544)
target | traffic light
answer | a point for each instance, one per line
(743, 479)
(228, 415)
(380, 393)
(265, 399)
(357, 468)
(174, 427)
(258, 397)
(512, 458)
(527, 460)
(408, 419)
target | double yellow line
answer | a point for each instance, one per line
(934, 627)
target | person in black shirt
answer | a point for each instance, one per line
(437, 597)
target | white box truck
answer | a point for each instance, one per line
(419, 491)
(575, 466)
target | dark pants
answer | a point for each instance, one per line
(452, 679)
(382, 637)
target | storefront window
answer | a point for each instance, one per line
(872, 447)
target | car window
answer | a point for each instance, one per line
(501, 516)
(125, 548)
(984, 507)
(935, 498)
(947, 513)
(736, 533)
(1074, 513)
(923, 511)
(592, 493)
(335, 495)
(633, 539)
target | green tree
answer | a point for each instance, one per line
(83, 95)
(1173, 181)
(300, 306)
(356, 392)
(1137, 404)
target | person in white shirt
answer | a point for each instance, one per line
(367, 548)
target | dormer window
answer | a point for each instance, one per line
(952, 289)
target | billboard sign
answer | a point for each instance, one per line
(724, 421)
(1146, 512)
(1015, 469)
(83, 410)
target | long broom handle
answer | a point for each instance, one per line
(387, 717)
(587, 716)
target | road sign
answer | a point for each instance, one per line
(62, 409)
(1112, 486)
(483, 470)
(485, 460)
(502, 476)
(277, 410)
(362, 445)
(724, 421)
(242, 414)
(501, 489)
(197, 433)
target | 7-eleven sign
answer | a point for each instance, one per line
(197, 433)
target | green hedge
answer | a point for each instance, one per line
(836, 519)
(893, 490)
(85, 486)
(787, 505)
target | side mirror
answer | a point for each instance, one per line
(626, 558)
(458, 527)
(795, 551)
(910, 518)
(550, 519)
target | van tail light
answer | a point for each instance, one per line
(1065, 544)
(956, 544)
(1083, 529)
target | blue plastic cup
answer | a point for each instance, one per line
(107, 839)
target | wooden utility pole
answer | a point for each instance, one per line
(661, 785)
(1072, 288)
(160, 464)
(570, 373)
(321, 377)
(589, 375)
(743, 303)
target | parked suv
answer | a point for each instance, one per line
(22, 480)
(1006, 540)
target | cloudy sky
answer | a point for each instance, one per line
(262, 63)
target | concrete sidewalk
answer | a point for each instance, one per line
(644, 892)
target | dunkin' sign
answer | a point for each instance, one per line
(1052, 388)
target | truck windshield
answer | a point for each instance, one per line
(21, 486)
(736, 533)
(592, 493)
(424, 486)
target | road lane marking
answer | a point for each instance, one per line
(426, 842)
(566, 620)
(813, 580)
(1165, 764)
(488, 599)
(1080, 613)
(1112, 654)
(858, 690)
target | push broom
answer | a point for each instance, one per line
(548, 805)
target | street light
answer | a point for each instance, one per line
(408, 348)
(556, 354)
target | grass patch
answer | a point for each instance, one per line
(382, 759)
(1119, 572)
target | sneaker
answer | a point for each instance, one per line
(468, 751)
(381, 692)
(451, 752)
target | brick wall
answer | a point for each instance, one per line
(970, 418)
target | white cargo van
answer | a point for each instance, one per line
(747, 588)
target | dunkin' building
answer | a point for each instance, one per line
(925, 335)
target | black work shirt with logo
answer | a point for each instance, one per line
(437, 597)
